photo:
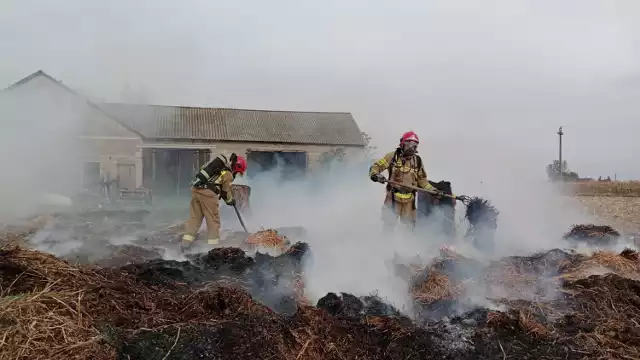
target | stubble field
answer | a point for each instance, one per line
(615, 202)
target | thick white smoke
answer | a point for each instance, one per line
(341, 212)
(40, 157)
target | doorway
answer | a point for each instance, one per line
(169, 172)
(283, 165)
(127, 176)
(91, 175)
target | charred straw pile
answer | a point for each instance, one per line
(52, 310)
(226, 305)
(586, 306)
(598, 235)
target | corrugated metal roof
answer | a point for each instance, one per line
(190, 123)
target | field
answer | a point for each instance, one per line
(615, 202)
(621, 212)
(606, 188)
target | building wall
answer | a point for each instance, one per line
(113, 151)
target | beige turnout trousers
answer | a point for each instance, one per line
(394, 210)
(204, 204)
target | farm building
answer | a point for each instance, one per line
(161, 147)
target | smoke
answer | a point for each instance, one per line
(40, 151)
(485, 86)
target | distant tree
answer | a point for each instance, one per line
(332, 155)
(554, 170)
(554, 167)
(368, 148)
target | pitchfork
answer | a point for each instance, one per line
(462, 198)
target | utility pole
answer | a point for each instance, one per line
(561, 173)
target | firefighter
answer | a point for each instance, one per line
(213, 182)
(405, 167)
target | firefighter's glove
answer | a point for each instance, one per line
(231, 202)
(378, 178)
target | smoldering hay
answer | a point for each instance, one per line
(226, 305)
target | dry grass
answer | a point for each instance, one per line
(606, 188)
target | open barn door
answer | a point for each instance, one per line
(281, 165)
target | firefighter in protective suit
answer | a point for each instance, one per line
(213, 182)
(405, 168)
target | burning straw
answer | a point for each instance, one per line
(268, 239)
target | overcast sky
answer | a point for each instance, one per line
(488, 79)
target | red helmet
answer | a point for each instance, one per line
(409, 143)
(240, 166)
(409, 136)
